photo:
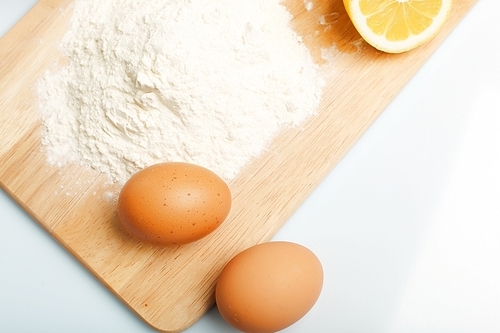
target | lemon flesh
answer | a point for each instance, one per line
(396, 26)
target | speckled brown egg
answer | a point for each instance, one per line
(268, 287)
(173, 203)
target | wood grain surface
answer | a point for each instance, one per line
(171, 288)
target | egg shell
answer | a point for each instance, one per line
(173, 203)
(268, 287)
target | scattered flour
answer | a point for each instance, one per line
(209, 82)
(309, 5)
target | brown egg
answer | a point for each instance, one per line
(268, 287)
(173, 203)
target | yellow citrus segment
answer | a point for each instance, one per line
(370, 7)
(397, 25)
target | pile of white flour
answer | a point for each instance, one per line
(209, 82)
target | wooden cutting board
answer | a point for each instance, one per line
(171, 288)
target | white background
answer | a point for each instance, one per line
(407, 226)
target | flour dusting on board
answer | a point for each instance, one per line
(209, 82)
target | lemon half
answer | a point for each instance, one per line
(397, 26)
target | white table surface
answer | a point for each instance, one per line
(407, 226)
